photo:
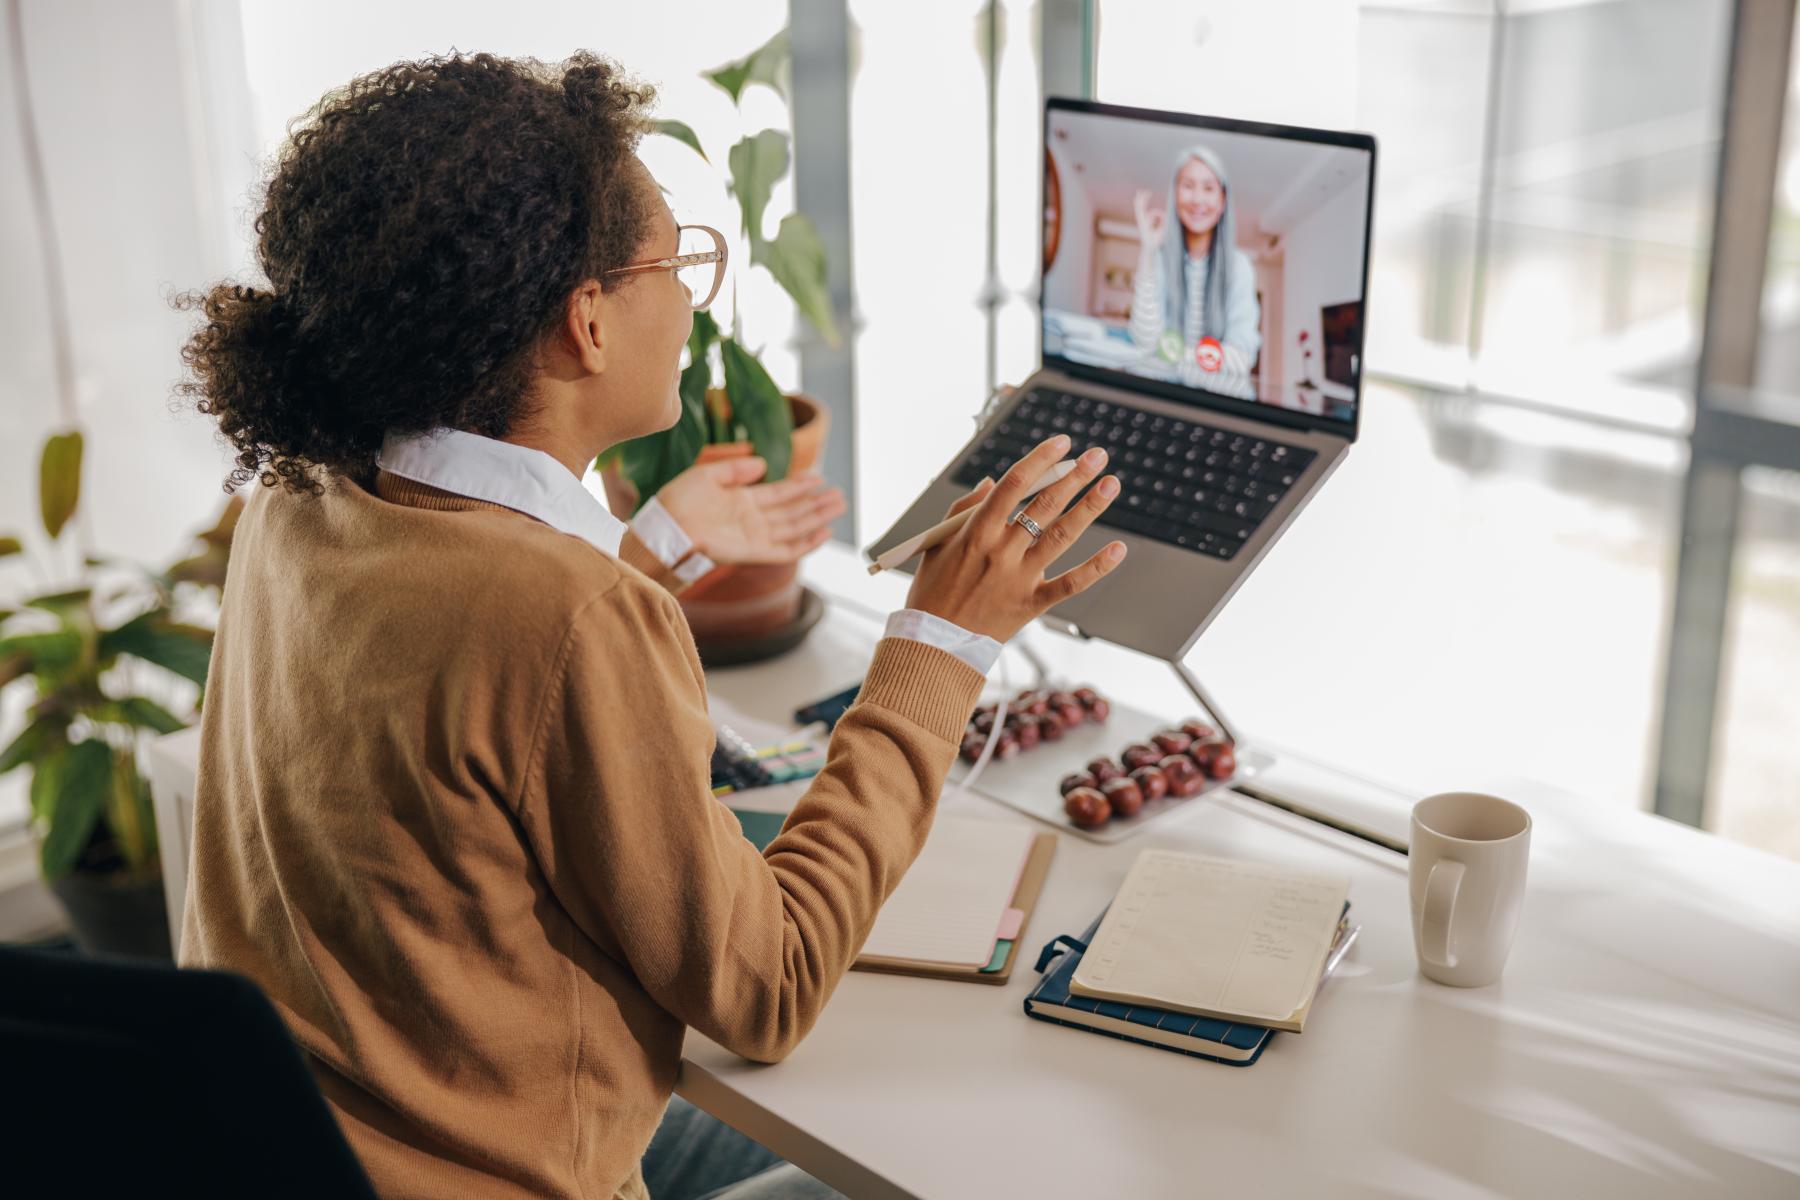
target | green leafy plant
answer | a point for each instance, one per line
(80, 646)
(726, 394)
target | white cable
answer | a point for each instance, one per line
(993, 738)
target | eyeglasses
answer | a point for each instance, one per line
(699, 263)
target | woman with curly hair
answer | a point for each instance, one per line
(453, 812)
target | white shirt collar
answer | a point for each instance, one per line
(515, 477)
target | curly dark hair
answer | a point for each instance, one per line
(421, 232)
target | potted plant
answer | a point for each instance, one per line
(729, 404)
(85, 647)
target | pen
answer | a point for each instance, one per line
(919, 543)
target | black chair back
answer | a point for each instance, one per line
(124, 1076)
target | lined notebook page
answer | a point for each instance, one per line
(948, 907)
(1237, 939)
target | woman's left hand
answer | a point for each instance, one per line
(732, 521)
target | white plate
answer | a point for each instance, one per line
(1028, 781)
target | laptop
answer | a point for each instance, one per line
(1203, 304)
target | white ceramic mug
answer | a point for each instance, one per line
(1466, 869)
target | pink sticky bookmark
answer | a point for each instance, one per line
(1010, 923)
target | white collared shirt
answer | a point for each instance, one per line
(532, 482)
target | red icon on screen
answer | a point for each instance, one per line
(1209, 354)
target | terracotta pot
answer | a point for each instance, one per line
(743, 601)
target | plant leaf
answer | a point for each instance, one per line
(139, 712)
(756, 163)
(682, 132)
(37, 740)
(63, 604)
(75, 796)
(43, 783)
(49, 654)
(796, 258)
(206, 568)
(59, 480)
(223, 529)
(10, 546)
(759, 406)
(696, 377)
(15, 665)
(128, 812)
(183, 649)
(765, 65)
(702, 337)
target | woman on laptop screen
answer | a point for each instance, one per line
(1194, 303)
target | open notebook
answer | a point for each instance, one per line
(1215, 937)
(951, 907)
(960, 911)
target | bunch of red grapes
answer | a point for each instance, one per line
(1175, 762)
(1032, 719)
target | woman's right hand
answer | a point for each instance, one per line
(988, 577)
(1151, 219)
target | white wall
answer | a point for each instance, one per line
(296, 52)
(1323, 253)
(135, 208)
(141, 188)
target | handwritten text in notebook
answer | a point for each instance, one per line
(1236, 939)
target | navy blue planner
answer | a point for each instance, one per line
(1198, 1037)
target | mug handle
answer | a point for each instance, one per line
(1441, 888)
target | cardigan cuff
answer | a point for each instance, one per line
(634, 553)
(931, 687)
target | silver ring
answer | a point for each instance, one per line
(1032, 527)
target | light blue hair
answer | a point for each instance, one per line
(1219, 256)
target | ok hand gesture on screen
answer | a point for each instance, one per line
(1150, 219)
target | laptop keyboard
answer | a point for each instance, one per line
(1182, 482)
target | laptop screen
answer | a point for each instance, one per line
(1218, 259)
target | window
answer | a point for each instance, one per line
(1521, 509)
(1756, 771)
(1535, 503)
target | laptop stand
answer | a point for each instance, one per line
(1183, 672)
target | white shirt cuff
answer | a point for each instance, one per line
(976, 649)
(664, 537)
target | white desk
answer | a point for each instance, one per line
(1645, 1040)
